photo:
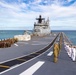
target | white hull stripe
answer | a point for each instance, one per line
(50, 54)
(32, 69)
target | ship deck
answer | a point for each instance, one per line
(24, 48)
(44, 65)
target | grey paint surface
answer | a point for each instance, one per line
(24, 48)
(64, 66)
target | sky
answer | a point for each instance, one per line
(21, 14)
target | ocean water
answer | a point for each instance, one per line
(4, 34)
(71, 34)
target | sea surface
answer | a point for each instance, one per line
(71, 34)
(4, 34)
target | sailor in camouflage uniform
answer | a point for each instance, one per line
(56, 52)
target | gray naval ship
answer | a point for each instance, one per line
(41, 27)
(35, 57)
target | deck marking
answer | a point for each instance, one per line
(32, 69)
(16, 44)
(50, 54)
(22, 63)
(21, 59)
(3, 66)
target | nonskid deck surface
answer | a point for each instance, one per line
(44, 65)
(8, 64)
(24, 48)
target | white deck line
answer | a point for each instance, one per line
(16, 44)
(33, 69)
(24, 62)
(50, 54)
(22, 55)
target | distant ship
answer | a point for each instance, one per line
(42, 27)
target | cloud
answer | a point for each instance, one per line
(9, 6)
(22, 14)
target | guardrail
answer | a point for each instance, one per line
(68, 40)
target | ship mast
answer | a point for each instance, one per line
(40, 19)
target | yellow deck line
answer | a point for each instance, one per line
(3, 66)
(21, 59)
(37, 53)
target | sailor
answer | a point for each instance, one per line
(56, 52)
(70, 50)
(67, 48)
(73, 53)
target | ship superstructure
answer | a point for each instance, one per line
(41, 27)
